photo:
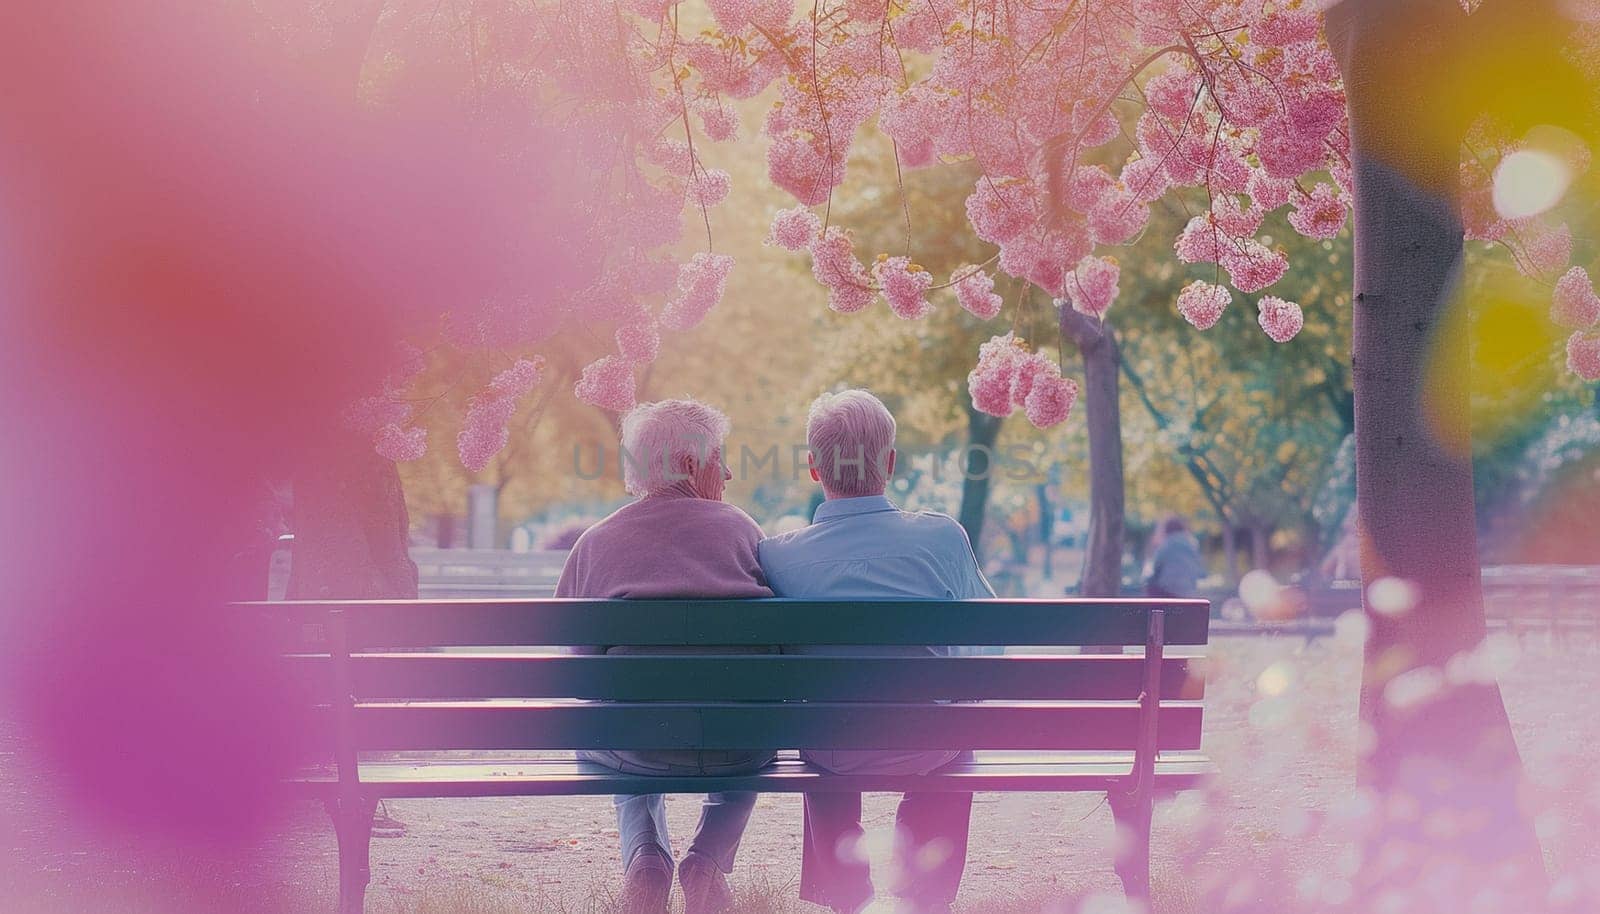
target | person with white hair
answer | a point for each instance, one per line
(860, 546)
(677, 540)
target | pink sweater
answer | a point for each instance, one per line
(671, 545)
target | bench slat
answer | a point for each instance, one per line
(569, 777)
(520, 725)
(398, 677)
(439, 623)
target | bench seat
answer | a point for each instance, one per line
(989, 771)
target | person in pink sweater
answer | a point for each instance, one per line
(678, 540)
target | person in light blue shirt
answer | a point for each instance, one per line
(859, 545)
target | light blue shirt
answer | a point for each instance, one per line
(866, 548)
(869, 549)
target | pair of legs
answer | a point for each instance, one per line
(930, 851)
(642, 827)
(647, 859)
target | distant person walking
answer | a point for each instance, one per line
(1176, 567)
(1343, 561)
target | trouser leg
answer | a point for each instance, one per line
(641, 824)
(723, 817)
(833, 871)
(931, 846)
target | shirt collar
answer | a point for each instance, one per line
(681, 488)
(848, 507)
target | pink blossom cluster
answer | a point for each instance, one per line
(720, 122)
(401, 445)
(904, 286)
(793, 229)
(519, 379)
(1050, 401)
(708, 186)
(1092, 285)
(484, 432)
(835, 265)
(991, 382)
(1575, 304)
(607, 383)
(1583, 355)
(1002, 210)
(1202, 303)
(639, 342)
(1321, 214)
(975, 292)
(1252, 267)
(701, 283)
(1281, 319)
(1007, 377)
(737, 15)
(1546, 250)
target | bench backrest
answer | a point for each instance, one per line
(384, 683)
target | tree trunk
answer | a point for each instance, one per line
(983, 430)
(1260, 554)
(351, 529)
(1230, 551)
(1438, 751)
(1046, 525)
(1102, 557)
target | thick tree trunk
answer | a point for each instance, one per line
(1439, 753)
(983, 430)
(1102, 557)
(351, 529)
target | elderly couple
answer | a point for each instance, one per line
(680, 540)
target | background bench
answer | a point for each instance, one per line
(444, 574)
(1559, 599)
(1044, 720)
(490, 573)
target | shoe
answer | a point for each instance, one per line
(647, 883)
(705, 888)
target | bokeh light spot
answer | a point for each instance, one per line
(1275, 679)
(1529, 182)
(1391, 596)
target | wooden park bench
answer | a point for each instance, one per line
(1041, 721)
(1560, 600)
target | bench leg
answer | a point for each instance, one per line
(352, 824)
(1131, 811)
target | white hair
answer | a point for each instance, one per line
(660, 440)
(850, 434)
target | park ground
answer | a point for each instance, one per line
(1280, 722)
